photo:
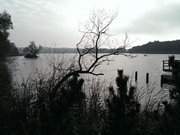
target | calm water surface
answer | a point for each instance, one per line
(23, 68)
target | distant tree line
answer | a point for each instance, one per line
(71, 50)
(157, 47)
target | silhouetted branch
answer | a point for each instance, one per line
(91, 41)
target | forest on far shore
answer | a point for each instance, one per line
(157, 47)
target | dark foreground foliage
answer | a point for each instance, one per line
(71, 112)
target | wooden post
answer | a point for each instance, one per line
(120, 73)
(147, 78)
(163, 65)
(162, 79)
(136, 76)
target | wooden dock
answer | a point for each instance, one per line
(171, 66)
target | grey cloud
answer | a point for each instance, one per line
(33, 20)
(159, 21)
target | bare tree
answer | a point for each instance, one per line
(94, 37)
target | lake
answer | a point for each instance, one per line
(23, 68)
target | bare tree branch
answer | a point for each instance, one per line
(90, 42)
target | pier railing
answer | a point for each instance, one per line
(166, 66)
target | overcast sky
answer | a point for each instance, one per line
(56, 22)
